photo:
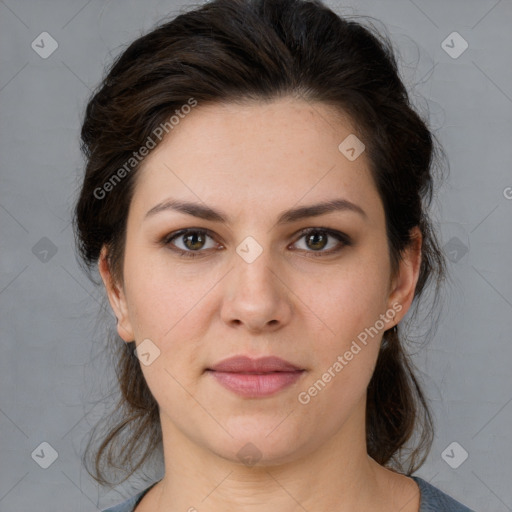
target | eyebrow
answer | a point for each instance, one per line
(205, 212)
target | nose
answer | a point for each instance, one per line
(255, 296)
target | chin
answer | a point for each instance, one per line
(261, 441)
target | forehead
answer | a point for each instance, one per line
(243, 156)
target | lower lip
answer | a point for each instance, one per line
(254, 385)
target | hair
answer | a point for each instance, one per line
(262, 50)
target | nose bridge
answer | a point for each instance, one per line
(253, 270)
(255, 296)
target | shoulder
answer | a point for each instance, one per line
(435, 500)
(130, 503)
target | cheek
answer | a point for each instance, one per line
(170, 307)
(350, 308)
(348, 300)
(164, 299)
(346, 351)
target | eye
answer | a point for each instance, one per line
(194, 242)
(190, 242)
(323, 241)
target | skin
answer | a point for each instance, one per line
(252, 162)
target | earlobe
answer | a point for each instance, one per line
(116, 297)
(404, 283)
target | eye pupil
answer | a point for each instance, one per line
(318, 240)
(197, 240)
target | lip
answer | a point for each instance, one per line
(244, 364)
(253, 378)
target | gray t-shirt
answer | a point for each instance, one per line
(432, 500)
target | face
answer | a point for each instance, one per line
(248, 269)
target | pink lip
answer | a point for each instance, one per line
(254, 378)
(244, 364)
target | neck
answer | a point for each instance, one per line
(338, 474)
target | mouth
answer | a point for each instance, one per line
(254, 378)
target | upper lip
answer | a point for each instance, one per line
(244, 364)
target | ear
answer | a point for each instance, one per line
(404, 282)
(116, 297)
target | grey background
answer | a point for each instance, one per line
(52, 368)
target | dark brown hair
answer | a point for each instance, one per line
(259, 50)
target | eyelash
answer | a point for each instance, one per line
(341, 237)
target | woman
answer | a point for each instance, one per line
(255, 199)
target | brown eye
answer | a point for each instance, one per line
(194, 240)
(320, 241)
(190, 242)
(316, 240)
